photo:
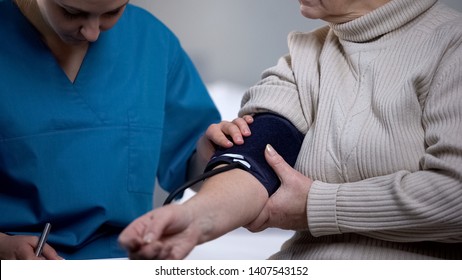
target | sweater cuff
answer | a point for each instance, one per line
(321, 209)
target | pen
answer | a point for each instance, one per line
(42, 240)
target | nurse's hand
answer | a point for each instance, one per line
(224, 134)
(22, 247)
(168, 232)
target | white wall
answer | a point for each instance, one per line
(235, 40)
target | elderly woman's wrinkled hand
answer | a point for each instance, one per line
(168, 232)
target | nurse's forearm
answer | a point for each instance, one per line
(225, 202)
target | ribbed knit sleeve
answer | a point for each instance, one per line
(281, 91)
(277, 92)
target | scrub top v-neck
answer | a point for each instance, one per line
(84, 156)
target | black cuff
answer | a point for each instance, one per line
(266, 129)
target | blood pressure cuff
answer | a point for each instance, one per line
(266, 129)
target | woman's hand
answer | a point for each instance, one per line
(286, 208)
(225, 202)
(22, 247)
(167, 232)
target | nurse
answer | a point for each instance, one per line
(97, 100)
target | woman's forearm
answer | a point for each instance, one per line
(225, 202)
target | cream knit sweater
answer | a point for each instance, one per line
(380, 101)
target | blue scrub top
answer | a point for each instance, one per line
(84, 156)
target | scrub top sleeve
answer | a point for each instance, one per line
(189, 111)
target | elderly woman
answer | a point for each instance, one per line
(376, 96)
